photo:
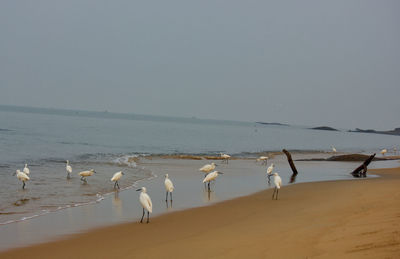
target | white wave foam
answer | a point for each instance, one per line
(127, 160)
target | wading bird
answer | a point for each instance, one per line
(334, 149)
(26, 170)
(85, 174)
(278, 184)
(208, 168)
(225, 157)
(169, 187)
(22, 177)
(269, 171)
(263, 159)
(68, 168)
(210, 177)
(383, 151)
(146, 203)
(116, 178)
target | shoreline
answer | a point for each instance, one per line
(319, 219)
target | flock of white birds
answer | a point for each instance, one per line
(210, 175)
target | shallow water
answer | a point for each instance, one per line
(241, 177)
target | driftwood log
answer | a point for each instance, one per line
(290, 160)
(361, 171)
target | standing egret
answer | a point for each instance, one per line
(68, 168)
(383, 151)
(333, 149)
(146, 203)
(116, 178)
(263, 159)
(85, 174)
(269, 171)
(225, 157)
(22, 177)
(169, 187)
(210, 177)
(207, 168)
(395, 150)
(26, 170)
(278, 184)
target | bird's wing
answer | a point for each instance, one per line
(207, 178)
(169, 185)
(149, 206)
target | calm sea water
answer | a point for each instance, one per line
(46, 138)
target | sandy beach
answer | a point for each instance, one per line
(335, 219)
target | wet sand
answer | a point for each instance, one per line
(335, 219)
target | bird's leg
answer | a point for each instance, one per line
(277, 191)
(148, 213)
(82, 179)
(166, 196)
(23, 185)
(170, 194)
(117, 184)
(68, 176)
(273, 194)
(141, 221)
(209, 186)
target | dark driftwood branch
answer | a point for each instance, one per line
(361, 171)
(289, 158)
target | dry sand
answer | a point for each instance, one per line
(337, 219)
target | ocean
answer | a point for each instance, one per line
(109, 142)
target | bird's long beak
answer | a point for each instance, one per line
(220, 173)
(139, 189)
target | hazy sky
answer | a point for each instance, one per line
(333, 63)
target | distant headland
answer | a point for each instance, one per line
(324, 128)
(272, 123)
(396, 131)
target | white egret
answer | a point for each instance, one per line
(334, 149)
(146, 203)
(225, 157)
(208, 168)
(26, 170)
(116, 178)
(210, 177)
(383, 151)
(22, 177)
(68, 168)
(263, 159)
(269, 171)
(278, 184)
(85, 174)
(169, 187)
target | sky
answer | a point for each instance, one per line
(334, 63)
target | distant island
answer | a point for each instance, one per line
(272, 123)
(396, 131)
(324, 128)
